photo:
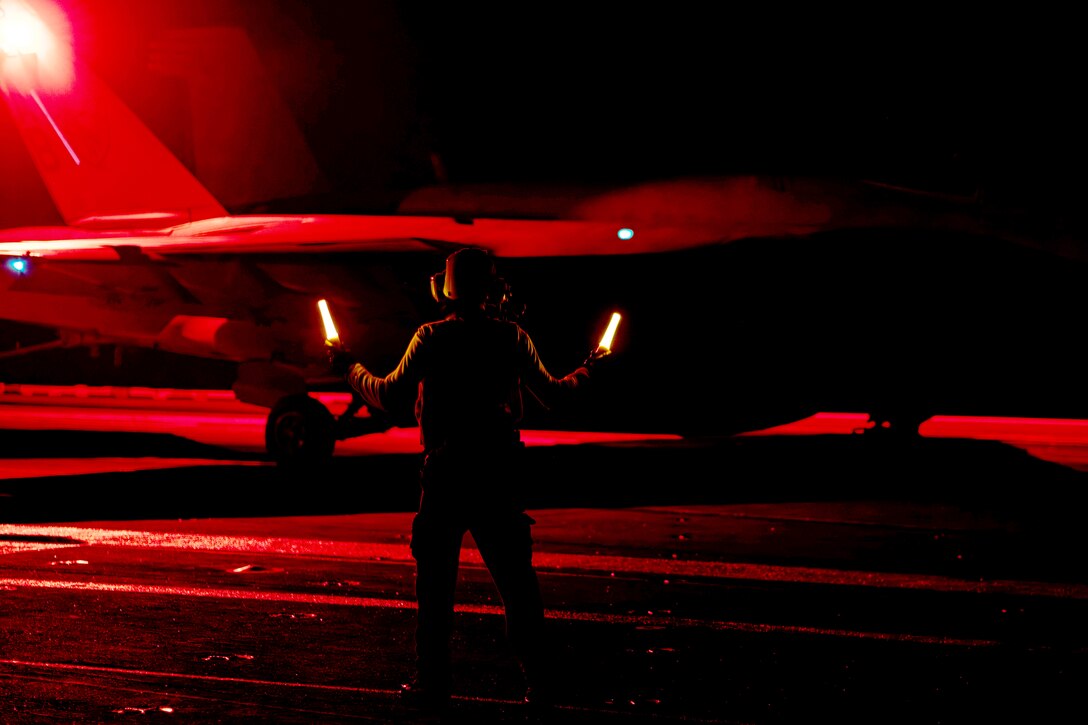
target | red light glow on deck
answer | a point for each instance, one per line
(818, 424)
(216, 417)
(1058, 440)
(213, 417)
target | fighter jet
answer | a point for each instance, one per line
(149, 258)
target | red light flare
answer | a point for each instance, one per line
(35, 46)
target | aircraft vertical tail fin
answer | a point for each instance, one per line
(247, 144)
(101, 165)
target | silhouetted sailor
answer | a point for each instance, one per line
(466, 373)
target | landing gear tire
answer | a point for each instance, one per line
(299, 432)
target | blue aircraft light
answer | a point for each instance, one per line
(625, 233)
(19, 266)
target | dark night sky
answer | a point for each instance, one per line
(589, 92)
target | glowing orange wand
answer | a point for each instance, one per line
(605, 345)
(332, 337)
